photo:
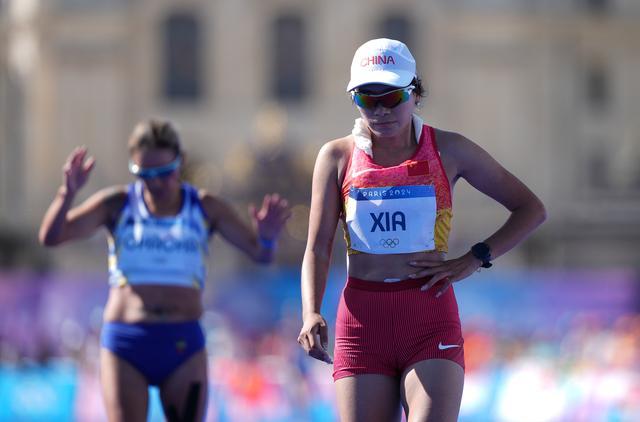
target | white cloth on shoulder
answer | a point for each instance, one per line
(362, 135)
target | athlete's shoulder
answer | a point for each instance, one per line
(115, 191)
(337, 148)
(447, 138)
(333, 159)
(112, 196)
(461, 153)
(211, 204)
(453, 143)
(336, 153)
(206, 197)
(112, 200)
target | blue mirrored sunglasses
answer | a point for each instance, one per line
(152, 172)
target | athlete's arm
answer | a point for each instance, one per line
(323, 219)
(257, 242)
(489, 177)
(485, 174)
(61, 222)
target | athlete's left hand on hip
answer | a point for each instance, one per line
(447, 272)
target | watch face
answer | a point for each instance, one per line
(481, 249)
(483, 253)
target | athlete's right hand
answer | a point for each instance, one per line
(314, 337)
(76, 170)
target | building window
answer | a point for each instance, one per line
(612, 166)
(596, 6)
(598, 167)
(289, 64)
(397, 27)
(597, 86)
(182, 58)
(88, 5)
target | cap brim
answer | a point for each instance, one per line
(398, 78)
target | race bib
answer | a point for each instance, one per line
(151, 248)
(392, 219)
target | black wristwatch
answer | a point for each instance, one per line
(482, 251)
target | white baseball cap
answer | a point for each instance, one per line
(382, 61)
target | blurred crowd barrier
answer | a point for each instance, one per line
(539, 345)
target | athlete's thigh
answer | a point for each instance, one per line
(431, 390)
(184, 392)
(124, 389)
(368, 398)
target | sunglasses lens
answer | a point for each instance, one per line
(155, 174)
(392, 99)
(388, 100)
(364, 100)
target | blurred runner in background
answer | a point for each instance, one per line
(158, 230)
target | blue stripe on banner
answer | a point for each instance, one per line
(392, 192)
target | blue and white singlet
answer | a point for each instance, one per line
(159, 250)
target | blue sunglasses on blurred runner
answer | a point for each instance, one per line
(389, 99)
(153, 172)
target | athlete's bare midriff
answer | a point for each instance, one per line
(153, 303)
(388, 267)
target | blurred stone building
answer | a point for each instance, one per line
(549, 87)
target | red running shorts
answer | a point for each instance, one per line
(384, 328)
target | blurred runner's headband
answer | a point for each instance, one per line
(382, 61)
(152, 172)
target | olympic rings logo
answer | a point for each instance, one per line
(389, 243)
